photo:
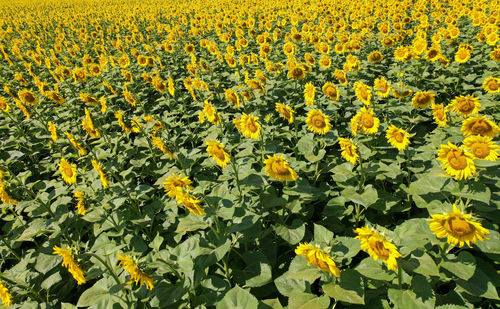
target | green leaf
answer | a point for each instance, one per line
(300, 270)
(322, 234)
(463, 266)
(306, 144)
(427, 184)
(374, 270)
(308, 301)
(350, 288)
(287, 286)
(238, 298)
(491, 245)
(258, 271)
(474, 190)
(46, 262)
(367, 198)
(292, 234)
(421, 263)
(346, 247)
(98, 292)
(479, 285)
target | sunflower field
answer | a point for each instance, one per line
(249, 154)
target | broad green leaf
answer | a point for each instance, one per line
(463, 266)
(308, 301)
(322, 234)
(292, 234)
(349, 288)
(238, 298)
(374, 270)
(300, 270)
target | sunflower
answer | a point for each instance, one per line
(277, 168)
(482, 147)
(174, 185)
(340, 76)
(297, 72)
(80, 204)
(439, 113)
(318, 122)
(88, 125)
(491, 85)
(97, 166)
(398, 138)
(479, 125)
(375, 57)
(70, 264)
(189, 49)
(216, 151)
(54, 97)
(4, 195)
(309, 93)
(462, 55)
(325, 62)
(433, 53)
(232, 97)
(53, 130)
(363, 93)
(315, 256)
(95, 70)
(210, 113)
(365, 121)
(465, 105)
(331, 91)
(191, 203)
(4, 104)
(378, 247)
(349, 150)
(249, 126)
(5, 295)
(382, 87)
(402, 53)
(456, 162)
(285, 111)
(423, 99)
(459, 228)
(142, 60)
(136, 274)
(171, 87)
(159, 85)
(26, 96)
(68, 171)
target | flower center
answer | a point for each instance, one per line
(378, 247)
(492, 85)
(398, 136)
(331, 92)
(219, 153)
(458, 226)
(279, 168)
(457, 160)
(68, 171)
(367, 120)
(251, 126)
(466, 106)
(480, 150)
(481, 127)
(318, 121)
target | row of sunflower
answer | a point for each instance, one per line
(203, 154)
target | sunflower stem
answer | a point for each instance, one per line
(235, 170)
(400, 277)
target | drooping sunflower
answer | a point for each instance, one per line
(174, 185)
(104, 180)
(363, 93)
(456, 162)
(365, 121)
(53, 130)
(26, 96)
(423, 99)
(136, 274)
(285, 111)
(232, 97)
(315, 256)
(482, 147)
(68, 171)
(458, 227)
(309, 93)
(210, 113)
(382, 87)
(465, 105)
(340, 76)
(491, 85)
(249, 126)
(331, 91)
(349, 150)
(317, 122)
(218, 154)
(480, 125)
(375, 57)
(88, 125)
(70, 264)
(80, 204)
(439, 113)
(276, 167)
(378, 247)
(398, 138)
(191, 203)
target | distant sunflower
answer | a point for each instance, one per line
(26, 96)
(423, 99)
(218, 154)
(363, 93)
(375, 57)
(285, 111)
(5, 295)
(349, 150)
(80, 204)
(309, 93)
(318, 122)
(68, 171)
(249, 126)
(365, 121)
(456, 162)
(465, 105)
(232, 97)
(325, 62)
(398, 138)
(174, 185)
(340, 76)
(276, 167)
(382, 87)
(378, 247)
(459, 228)
(136, 275)
(491, 85)
(462, 55)
(439, 113)
(315, 256)
(479, 125)
(297, 72)
(331, 91)
(482, 147)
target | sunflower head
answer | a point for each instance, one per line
(318, 122)
(249, 126)
(491, 85)
(482, 147)
(232, 97)
(309, 93)
(175, 185)
(398, 138)
(363, 93)
(465, 105)
(277, 168)
(340, 76)
(375, 57)
(217, 152)
(285, 111)
(479, 125)
(331, 91)
(459, 228)
(349, 150)
(439, 113)
(423, 99)
(378, 247)
(68, 171)
(317, 257)
(382, 87)
(456, 162)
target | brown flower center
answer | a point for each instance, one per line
(378, 247)
(279, 168)
(318, 121)
(457, 160)
(492, 85)
(458, 226)
(367, 120)
(68, 171)
(219, 153)
(481, 127)
(398, 136)
(466, 105)
(251, 126)
(480, 150)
